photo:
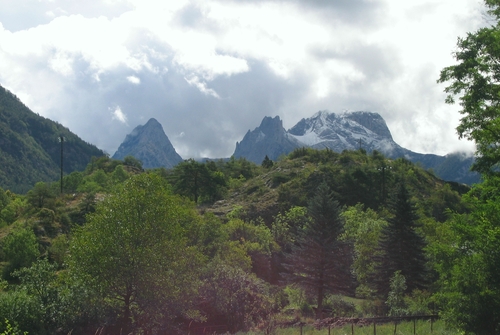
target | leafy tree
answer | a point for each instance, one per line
(133, 162)
(119, 174)
(40, 195)
(20, 249)
(468, 264)
(395, 299)
(320, 262)
(72, 181)
(476, 81)
(190, 177)
(402, 247)
(133, 251)
(239, 296)
(362, 229)
(196, 180)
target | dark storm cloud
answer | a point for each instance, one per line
(196, 123)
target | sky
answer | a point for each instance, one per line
(210, 70)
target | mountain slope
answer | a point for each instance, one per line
(30, 150)
(270, 139)
(346, 131)
(150, 144)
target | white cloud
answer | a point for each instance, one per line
(287, 58)
(202, 86)
(134, 80)
(119, 115)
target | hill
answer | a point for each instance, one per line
(30, 150)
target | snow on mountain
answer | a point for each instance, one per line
(346, 131)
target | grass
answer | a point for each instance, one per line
(404, 328)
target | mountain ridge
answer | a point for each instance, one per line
(150, 145)
(349, 130)
(30, 150)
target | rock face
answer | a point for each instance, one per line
(270, 139)
(149, 144)
(345, 131)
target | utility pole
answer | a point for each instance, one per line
(61, 139)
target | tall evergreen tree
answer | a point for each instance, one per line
(401, 246)
(319, 262)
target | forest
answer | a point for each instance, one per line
(314, 234)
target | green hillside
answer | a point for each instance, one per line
(30, 150)
(202, 240)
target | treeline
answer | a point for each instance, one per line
(159, 250)
(30, 149)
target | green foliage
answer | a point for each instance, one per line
(119, 174)
(11, 330)
(41, 195)
(133, 162)
(20, 249)
(362, 229)
(13, 210)
(468, 264)
(30, 149)
(198, 181)
(267, 163)
(395, 298)
(242, 298)
(475, 80)
(319, 262)
(402, 247)
(133, 251)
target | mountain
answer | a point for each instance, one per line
(270, 139)
(30, 150)
(346, 131)
(149, 144)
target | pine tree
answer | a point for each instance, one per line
(401, 246)
(319, 262)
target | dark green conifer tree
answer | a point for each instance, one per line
(319, 262)
(401, 246)
(267, 163)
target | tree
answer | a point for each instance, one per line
(401, 246)
(20, 249)
(476, 81)
(133, 251)
(362, 229)
(469, 263)
(319, 261)
(196, 180)
(267, 163)
(40, 195)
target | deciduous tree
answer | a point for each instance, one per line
(134, 251)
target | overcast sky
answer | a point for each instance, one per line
(210, 70)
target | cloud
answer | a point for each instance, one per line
(119, 115)
(134, 80)
(211, 70)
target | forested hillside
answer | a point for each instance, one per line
(30, 150)
(222, 242)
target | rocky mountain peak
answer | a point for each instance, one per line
(150, 144)
(270, 139)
